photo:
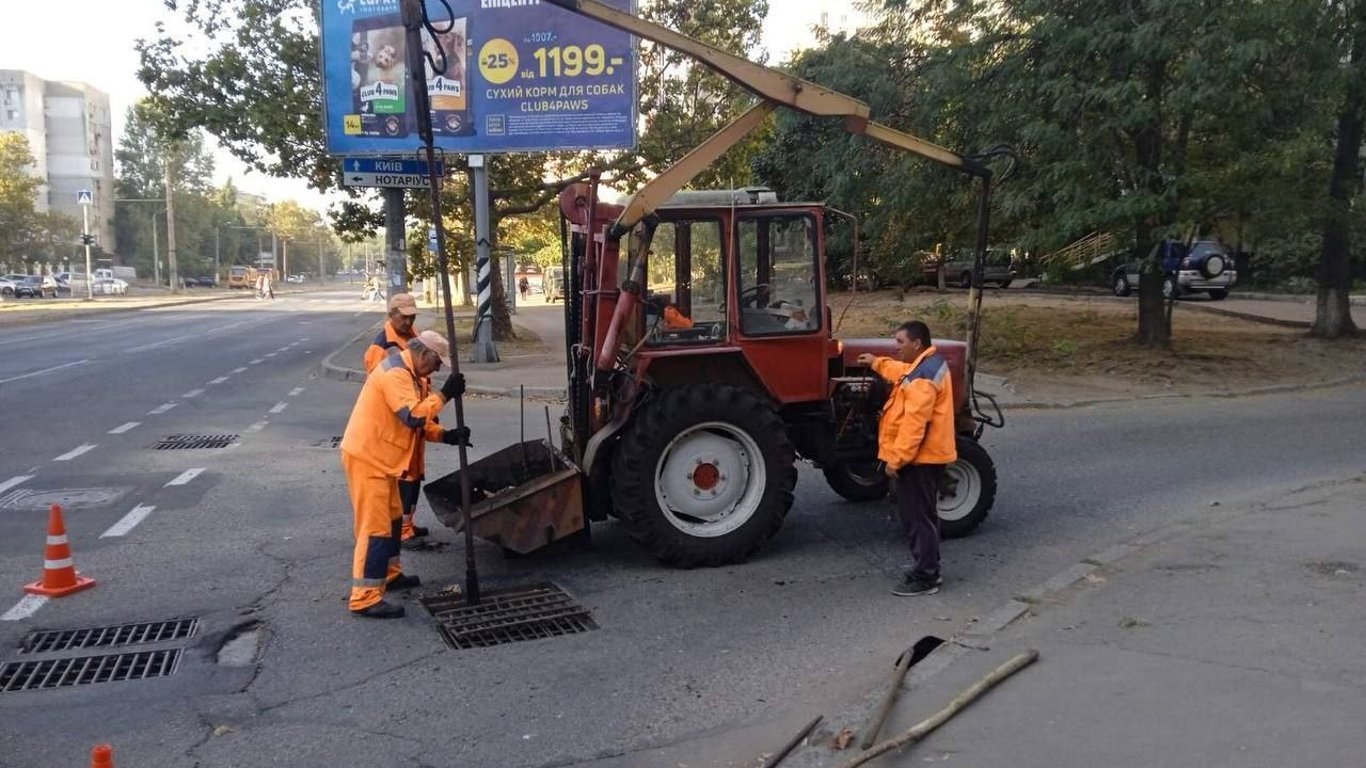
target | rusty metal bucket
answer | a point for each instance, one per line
(522, 497)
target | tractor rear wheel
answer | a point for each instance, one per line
(857, 481)
(704, 476)
(968, 491)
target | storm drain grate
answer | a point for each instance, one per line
(87, 670)
(194, 442)
(508, 616)
(49, 641)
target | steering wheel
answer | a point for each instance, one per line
(753, 293)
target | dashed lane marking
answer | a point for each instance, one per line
(271, 354)
(160, 409)
(258, 426)
(128, 522)
(193, 393)
(120, 429)
(26, 607)
(13, 481)
(296, 391)
(219, 380)
(53, 369)
(238, 370)
(185, 477)
(74, 452)
(257, 361)
(279, 407)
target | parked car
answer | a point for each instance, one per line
(1203, 266)
(109, 286)
(958, 271)
(35, 287)
(7, 285)
(294, 279)
(202, 281)
(553, 280)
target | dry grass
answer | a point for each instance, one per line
(1059, 339)
(527, 342)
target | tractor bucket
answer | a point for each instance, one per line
(522, 497)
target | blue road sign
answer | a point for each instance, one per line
(386, 172)
(83, 197)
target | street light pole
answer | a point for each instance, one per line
(89, 277)
(170, 229)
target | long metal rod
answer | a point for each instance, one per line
(412, 22)
(974, 330)
(792, 743)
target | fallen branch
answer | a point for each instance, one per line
(960, 702)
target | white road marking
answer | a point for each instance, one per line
(128, 521)
(45, 370)
(270, 354)
(278, 407)
(193, 393)
(160, 409)
(238, 370)
(26, 607)
(219, 380)
(296, 391)
(120, 429)
(257, 361)
(163, 342)
(13, 481)
(185, 477)
(74, 452)
(258, 426)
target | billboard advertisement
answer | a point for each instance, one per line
(519, 76)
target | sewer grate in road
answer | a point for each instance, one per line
(508, 616)
(47, 674)
(194, 442)
(55, 640)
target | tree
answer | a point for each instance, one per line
(18, 195)
(1333, 314)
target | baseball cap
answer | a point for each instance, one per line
(404, 303)
(436, 343)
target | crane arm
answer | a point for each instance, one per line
(773, 87)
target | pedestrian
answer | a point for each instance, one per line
(261, 286)
(524, 286)
(915, 442)
(269, 288)
(390, 417)
(394, 337)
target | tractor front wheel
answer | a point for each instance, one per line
(704, 476)
(968, 491)
(857, 481)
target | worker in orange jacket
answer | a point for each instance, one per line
(397, 332)
(390, 419)
(915, 442)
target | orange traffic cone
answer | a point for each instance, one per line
(102, 756)
(59, 574)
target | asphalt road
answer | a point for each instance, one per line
(704, 667)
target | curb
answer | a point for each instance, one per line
(40, 315)
(341, 373)
(1268, 390)
(1250, 317)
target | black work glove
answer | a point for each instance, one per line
(454, 386)
(457, 436)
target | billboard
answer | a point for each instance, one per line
(519, 76)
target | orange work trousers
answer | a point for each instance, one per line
(378, 518)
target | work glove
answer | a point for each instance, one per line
(457, 436)
(454, 386)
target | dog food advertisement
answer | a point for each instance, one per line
(501, 76)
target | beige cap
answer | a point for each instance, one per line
(404, 303)
(436, 343)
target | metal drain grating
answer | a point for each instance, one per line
(50, 641)
(195, 442)
(87, 670)
(508, 616)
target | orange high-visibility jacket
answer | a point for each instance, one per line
(675, 320)
(917, 420)
(432, 433)
(391, 416)
(386, 343)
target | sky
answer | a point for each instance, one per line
(95, 46)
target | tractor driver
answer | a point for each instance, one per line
(915, 442)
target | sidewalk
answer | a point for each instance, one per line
(1232, 640)
(536, 366)
(1291, 312)
(25, 311)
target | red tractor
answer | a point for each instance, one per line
(701, 359)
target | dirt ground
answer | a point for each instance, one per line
(1079, 347)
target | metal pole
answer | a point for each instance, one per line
(156, 255)
(397, 259)
(217, 231)
(483, 350)
(85, 229)
(171, 270)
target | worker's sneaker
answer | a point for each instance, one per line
(381, 610)
(405, 581)
(911, 586)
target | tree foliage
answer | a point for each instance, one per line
(19, 217)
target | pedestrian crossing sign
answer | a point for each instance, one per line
(83, 197)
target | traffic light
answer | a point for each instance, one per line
(87, 239)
